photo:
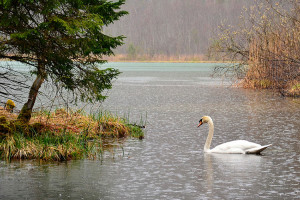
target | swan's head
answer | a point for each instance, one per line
(204, 119)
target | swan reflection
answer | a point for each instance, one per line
(231, 168)
(236, 162)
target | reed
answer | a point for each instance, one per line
(273, 61)
(268, 42)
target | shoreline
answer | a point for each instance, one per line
(166, 61)
(155, 61)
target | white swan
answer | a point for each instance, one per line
(237, 146)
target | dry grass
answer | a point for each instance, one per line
(78, 123)
(61, 120)
(9, 116)
(274, 62)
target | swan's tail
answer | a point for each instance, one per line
(257, 150)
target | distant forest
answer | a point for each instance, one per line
(173, 27)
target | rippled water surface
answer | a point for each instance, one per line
(169, 163)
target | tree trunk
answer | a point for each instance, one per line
(26, 111)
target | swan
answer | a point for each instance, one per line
(237, 146)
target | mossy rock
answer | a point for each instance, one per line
(26, 129)
(19, 127)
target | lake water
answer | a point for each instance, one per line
(170, 163)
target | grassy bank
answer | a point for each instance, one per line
(60, 135)
(291, 89)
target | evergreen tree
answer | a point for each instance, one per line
(63, 41)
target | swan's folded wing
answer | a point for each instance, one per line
(257, 150)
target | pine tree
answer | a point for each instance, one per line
(63, 41)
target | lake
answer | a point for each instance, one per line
(170, 163)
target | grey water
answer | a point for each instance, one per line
(170, 163)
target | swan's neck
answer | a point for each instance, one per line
(210, 135)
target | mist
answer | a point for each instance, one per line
(174, 27)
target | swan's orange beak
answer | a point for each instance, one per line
(200, 123)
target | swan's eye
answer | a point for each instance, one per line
(200, 120)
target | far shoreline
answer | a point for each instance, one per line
(154, 61)
(163, 61)
(160, 58)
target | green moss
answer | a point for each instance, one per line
(9, 106)
(16, 126)
(19, 127)
(25, 114)
(4, 125)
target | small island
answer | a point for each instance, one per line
(60, 135)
